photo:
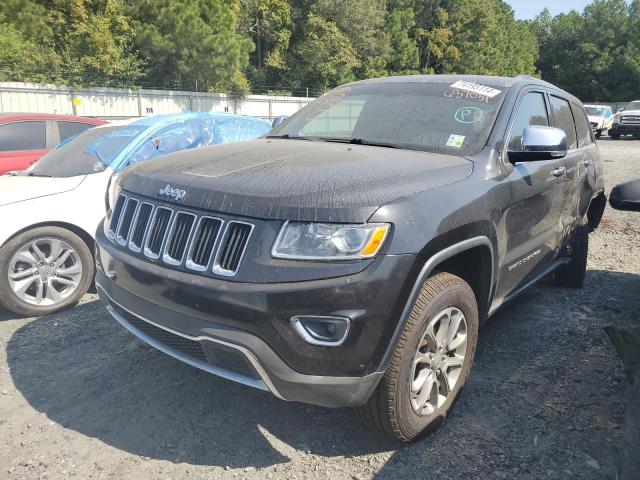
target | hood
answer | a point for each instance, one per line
(294, 179)
(595, 119)
(21, 188)
(628, 112)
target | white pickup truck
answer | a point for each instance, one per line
(626, 121)
(600, 118)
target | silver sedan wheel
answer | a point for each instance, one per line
(437, 364)
(45, 271)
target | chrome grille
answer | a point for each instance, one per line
(232, 248)
(179, 238)
(122, 233)
(204, 240)
(630, 119)
(157, 232)
(115, 216)
(141, 222)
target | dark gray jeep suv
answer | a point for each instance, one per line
(349, 257)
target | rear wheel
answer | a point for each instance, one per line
(598, 133)
(430, 363)
(45, 269)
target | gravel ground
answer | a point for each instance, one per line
(80, 398)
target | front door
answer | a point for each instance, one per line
(532, 222)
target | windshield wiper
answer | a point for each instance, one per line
(31, 174)
(286, 136)
(359, 141)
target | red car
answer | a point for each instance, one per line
(25, 137)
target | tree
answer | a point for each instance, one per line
(268, 24)
(324, 57)
(594, 55)
(473, 36)
(23, 60)
(189, 41)
(75, 42)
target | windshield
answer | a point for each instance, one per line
(594, 112)
(431, 117)
(90, 152)
(632, 106)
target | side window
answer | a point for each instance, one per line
(21, 136)
(563, 119)
(69, 129)
(531, 111)
(582, 126)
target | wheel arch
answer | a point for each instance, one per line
(596, 209)
(472, 259)
(80, 232)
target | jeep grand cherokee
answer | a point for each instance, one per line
(349, 257)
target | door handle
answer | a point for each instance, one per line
(558, 172)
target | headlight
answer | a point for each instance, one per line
(113, 190)
(329, 241)
(616, 118)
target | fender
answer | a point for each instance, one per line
(425, 272)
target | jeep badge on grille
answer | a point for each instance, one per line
(174, 193)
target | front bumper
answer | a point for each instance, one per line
(625, 129)
(243, 332)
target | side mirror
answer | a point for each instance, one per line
(626, 196)
(278, 121)
(540, 143)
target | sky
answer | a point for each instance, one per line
(528, 9)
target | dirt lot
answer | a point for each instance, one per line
(80, 398)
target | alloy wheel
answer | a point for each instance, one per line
(438, 361)
(44, 272)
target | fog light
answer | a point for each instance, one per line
(319, 330)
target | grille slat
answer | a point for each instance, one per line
(233, 246)
(115, 215)
(159, 227)
(179, 238)
(205, 239)
(124, 227)
(140, 228)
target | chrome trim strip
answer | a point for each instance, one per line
(132, 246)
(263, 384)
(168, 259)
(148, 253)
(296, 324)
(216, 263)
(189, 262)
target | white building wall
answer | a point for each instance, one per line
(122, 103)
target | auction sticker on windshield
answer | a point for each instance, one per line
(476, 88)
(455, 141)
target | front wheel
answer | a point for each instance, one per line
(44, 269)
(430, 363)
(614, 136)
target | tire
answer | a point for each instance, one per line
(51, 287)
(571, 275)
(391, 410)
(598, 133)
(614, 136)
